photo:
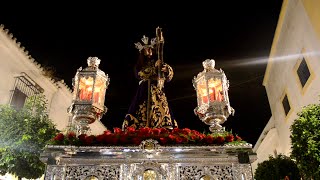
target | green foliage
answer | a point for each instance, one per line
(305, 140)
(277, 168)
(23, 136)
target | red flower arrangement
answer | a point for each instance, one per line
(135, 136)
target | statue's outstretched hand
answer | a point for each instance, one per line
(164, 67)
(158, 63)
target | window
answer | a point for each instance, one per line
(303, 72)
(23, 88)
(18, 99)
(286, 105)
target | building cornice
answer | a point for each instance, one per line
(275, 42)
(25, 53)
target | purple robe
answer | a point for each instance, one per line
(159, 114)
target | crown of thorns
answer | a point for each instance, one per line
(146, 44)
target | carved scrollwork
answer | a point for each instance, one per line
(54, 172)
(196, 172)
(100, 172)
(242, 171)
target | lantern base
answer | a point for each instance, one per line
(214, 121)
(216, 128)
(82, 126)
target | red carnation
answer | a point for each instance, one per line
(202, 136)
(59, 137)
(89, 140)
(195, 132)
(209, 139)
(171, 137)
(71, 135)
(131, 129)
(229, 138)
(176, 131)
(100, 138)
(136, 140)
(186, 131)
(220, 139)
(111, 139)
(178, 140)
(156, 132)
(163, 131)
(82, 137)
(163, 140)
(107, 132)
(124, 138)
(144, 132)
(184, 139)
(238, 138)
(117, 130)
(193, 137)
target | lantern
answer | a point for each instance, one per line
(212, 86)
(89, 87)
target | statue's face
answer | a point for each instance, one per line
(147, 52)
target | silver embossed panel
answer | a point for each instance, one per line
(101, 172)
(216, 172)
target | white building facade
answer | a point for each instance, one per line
(292, 77)
(22, 76)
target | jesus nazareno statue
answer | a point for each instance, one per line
(150, 108)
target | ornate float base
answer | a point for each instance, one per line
(149, 161)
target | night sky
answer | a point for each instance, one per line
(236, 34)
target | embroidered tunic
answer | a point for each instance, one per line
(157, 107)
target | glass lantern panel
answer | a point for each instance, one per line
(85, 88)
(215, 89)
(99, 91)
(75, 87)
(102, 94)
(202, 92)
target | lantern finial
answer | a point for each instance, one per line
(209, 64)
(93, 62)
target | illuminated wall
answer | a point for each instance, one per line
(292, 78)
(15, 61)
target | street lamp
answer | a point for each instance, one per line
(89, 87)
(212, 87)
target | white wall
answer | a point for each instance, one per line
(15, 60)
(295, 38)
